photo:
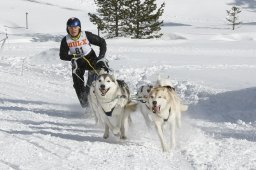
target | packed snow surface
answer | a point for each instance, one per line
(212, 67)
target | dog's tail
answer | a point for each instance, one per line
(131, 106)
(183, 107)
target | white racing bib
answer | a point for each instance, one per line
(80, 46)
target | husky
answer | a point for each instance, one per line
(165, 108)
(109, 99)
(142, 95)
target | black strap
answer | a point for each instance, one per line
(168, 116)
(142, 101)
(110, 112)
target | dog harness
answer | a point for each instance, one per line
(110, 112)
(141, 100)
(168, 116)
(165, 120)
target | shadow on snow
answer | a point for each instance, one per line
(229, 106)
(68, 131)
(248, 23)
(40, 110)
(174, 24)
(247, 4)
(220, 133)
(50, 4)
(41, 37)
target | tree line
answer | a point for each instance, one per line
(136, 18)
(128, 18)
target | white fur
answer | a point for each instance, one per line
(115, 98)
(164, 82)
(167, 106)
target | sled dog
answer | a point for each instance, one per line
(110, 101)
(143, 105)
(165, 108)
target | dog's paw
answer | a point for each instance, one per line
(123, 137)
(166, 148)
(105, 136)
(116, 131)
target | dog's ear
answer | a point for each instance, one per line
(141, 89)
(170, 88)
(149, 88)
(93, 83)
(102, 71)
(113, 78)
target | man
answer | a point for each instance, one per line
(76, 47)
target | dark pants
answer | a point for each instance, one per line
(81, 89)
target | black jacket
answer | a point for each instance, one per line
(92, 38)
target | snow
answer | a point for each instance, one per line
(42, 125)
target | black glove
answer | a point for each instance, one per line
(102, 64)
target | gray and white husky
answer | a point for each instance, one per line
(143, 105)
(109, 100)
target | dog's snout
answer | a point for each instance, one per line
(154, 102)
(102, 86)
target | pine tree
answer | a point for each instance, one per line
(143, 18)
(110, 17)
(97, 21)
(232, 16)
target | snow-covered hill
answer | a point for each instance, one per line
(212, 67)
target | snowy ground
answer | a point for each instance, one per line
(43, 127)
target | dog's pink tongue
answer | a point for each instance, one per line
(103, 91)
(156, 109)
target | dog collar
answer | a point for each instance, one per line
(168, 116)
(165, 120)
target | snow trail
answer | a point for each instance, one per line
(212, 68)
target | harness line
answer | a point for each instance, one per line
(76, 67)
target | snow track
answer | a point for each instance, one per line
(44, 127)
(213, 70)
(49, 134)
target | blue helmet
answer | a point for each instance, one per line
(73, 22)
